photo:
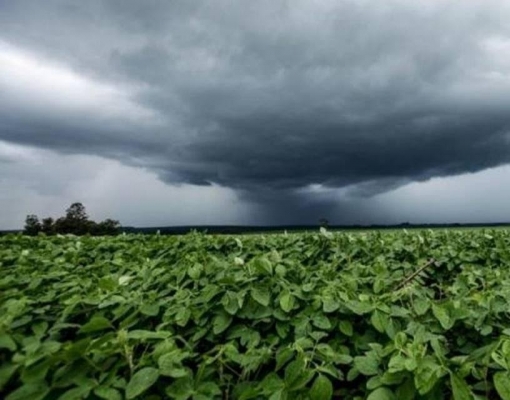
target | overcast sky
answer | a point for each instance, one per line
(266, 112)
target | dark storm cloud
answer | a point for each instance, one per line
(270, 97)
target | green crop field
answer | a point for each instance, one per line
(318, 315)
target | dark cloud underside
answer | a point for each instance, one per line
(270, 97)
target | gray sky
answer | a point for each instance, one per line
(232, 112)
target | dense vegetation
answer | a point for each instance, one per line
(397, 315)
(76, 222)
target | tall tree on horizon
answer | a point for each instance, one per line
(32, 225)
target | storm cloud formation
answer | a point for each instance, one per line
(268, 98)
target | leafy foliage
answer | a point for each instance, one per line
(301, 316)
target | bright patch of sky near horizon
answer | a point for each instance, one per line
(46, 183)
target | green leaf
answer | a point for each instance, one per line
(308, 287)
(329, 304)
(330, 370)
(352, 374)
(358, 307)
(124, 280)
(150, 310)
(80, 392)
(302, 381)
(230, 303)
(460, 389)
(379, 285)
(261, 295)
(322, 389)
(263, 265)
(367, 365)
(321, 321)
(410, 364)
(35, 373)
(141, 381)
(486, 330)
(286, 301)
(325, 233)
(211, 389)
(107, 393)
(327, 351)
(195, 271)
(96, 324)
(381, 393)
(283, 356)
(107, 283)
(406, 391)
(390, 379)
(374, 382)
(400, 340)
(426, 376)
(6, 342)
(279, 395)
(294, 370)
(40, 328)
(32, 391)
(21, 321)
(139, 334)
(346, 328)
(280, 270)
(170, 364)
(182, 317)
(6, 372)
(397, 363)
(271, 383)
(379, 320)
(392, 327)
(502, 384)
(420, 305)
(181, 389)
(221, 322)
(442, 316)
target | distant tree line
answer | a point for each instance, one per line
(76, 221)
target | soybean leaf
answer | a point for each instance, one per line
(442, 316)
(6, 372)
(96, 324)
(346, 328)
(502, 384)
(322, 388)
(286, 301)
(381, 393)
(141, 381)
(460, 389)
(367, 365)
(107, 393)
(6, 342)
(140, 334)
(80, 392)
(221, 322)
(32, 391)
(261, 295)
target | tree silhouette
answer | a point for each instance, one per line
(47, 226)
(32, 225)
(323, 222)
(106, 227)
(76, 212)
(76, 222)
